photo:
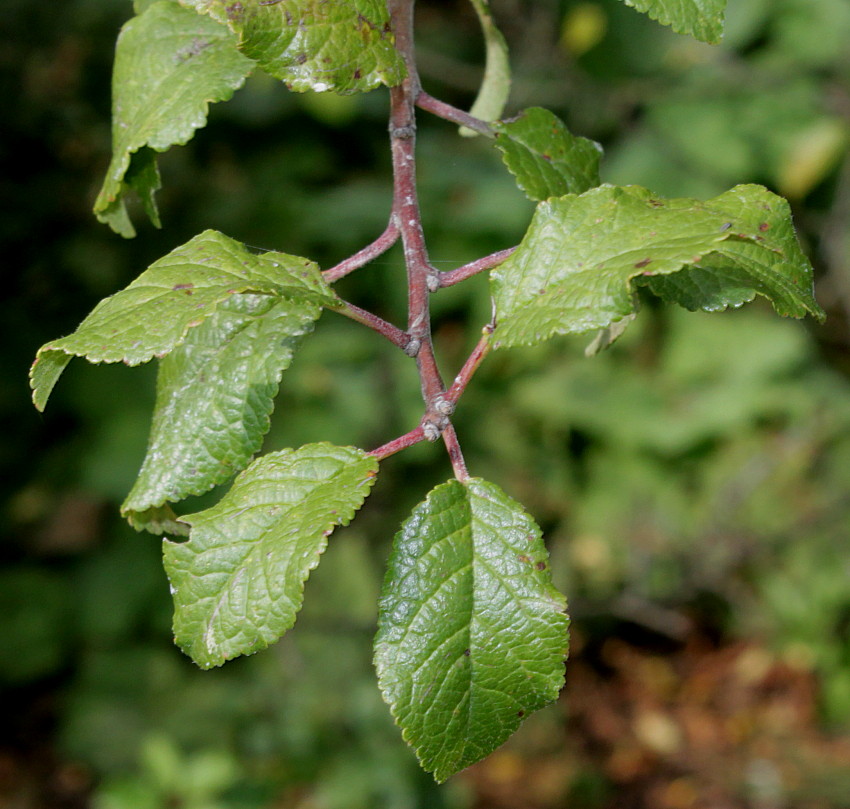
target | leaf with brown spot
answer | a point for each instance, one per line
(585, 255)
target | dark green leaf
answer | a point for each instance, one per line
(472, 634)
(345, 47)
(152, 316)
(215, 392)
(577, 267)
(545, 158)
(238, 581)
(169, 65)
(702, 19)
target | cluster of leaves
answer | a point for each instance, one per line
(472, 632)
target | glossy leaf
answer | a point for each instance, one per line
(702, 19)
(238, 581)
(496, 85)
(170, 64)
(472, 634)
(583, 256)
(215, 393)
(344, 46)
(152, 316)
(546, 159)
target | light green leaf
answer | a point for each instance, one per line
(472, 634)
(44, 372)
(702, 19)
(152, 316)
(545, 158)
(578, 265)
(238, 581)
(157, 520)
(345, 46)
(215, 392)
(169, 65)
(605, 338)
(496, 84)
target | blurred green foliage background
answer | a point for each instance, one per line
(693, 482)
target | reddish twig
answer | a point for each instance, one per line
(402, 442)
(421, 276)
(453, 114)
(455, 454)
(451, 277)
(481, 350)
(394, 334)
(383, 243)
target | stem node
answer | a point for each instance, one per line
(403, 132)
(443, 406)
(431, 430)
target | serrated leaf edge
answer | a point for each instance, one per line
(439, 775)
(298, 600)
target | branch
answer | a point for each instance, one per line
(453, 114)
(481, 350)
(455, 454)
(402, 442)
(394, 334)
(421, 275)
(383, 243)
(451, 277)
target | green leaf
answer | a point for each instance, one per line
(345, 47)
(761, 256)
(702, 19)
(496, 84)
(152, 316)
(238, 581)
(215, 393)
(577, 267)
(157, 520)
(169, 65)
(545, 158)
(472, 634)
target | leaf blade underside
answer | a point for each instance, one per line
(495, 87)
